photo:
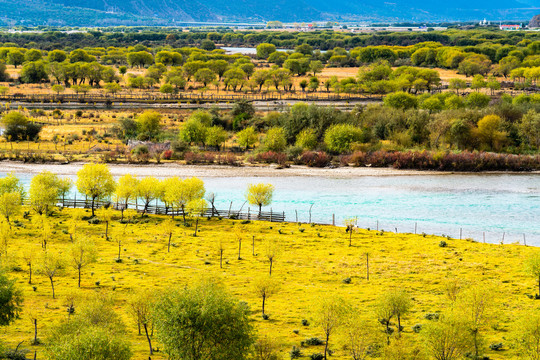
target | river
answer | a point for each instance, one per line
(481, 205)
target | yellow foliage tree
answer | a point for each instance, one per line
(148, 189)
(95, 181)
(44, 191)
(82, 253)
(197, 208)
(125, 191)
(260, 195)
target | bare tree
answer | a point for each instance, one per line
(264, 287)
(140, 306)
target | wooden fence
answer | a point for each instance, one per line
(158, 209)
(175, 98)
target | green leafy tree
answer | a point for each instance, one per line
(44, 192)
(339, 138)
(275, 139)
(149, 124)
(401, 100)
(264, 50)
(203, 322)
(11, 300)
(247, 137)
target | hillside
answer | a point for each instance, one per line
(167, 12)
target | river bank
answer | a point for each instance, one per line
(173, 169)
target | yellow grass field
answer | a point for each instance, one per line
(312, 262)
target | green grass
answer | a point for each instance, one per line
(310, 264)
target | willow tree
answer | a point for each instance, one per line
(126, 191)
(82, 253)
(44, 191)
(148, 189)
(179, 192)
(259, 195)
(96, 182)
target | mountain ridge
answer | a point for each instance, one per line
(171, 12)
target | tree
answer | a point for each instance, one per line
(19, 128)
(401, 100)
(95, 181)
(58, 89)
(275, 139)
(56, 56)
(526, 336)
(349, 224)
(149, 124)
(15, 57)
(11, 300)
(50, 266)
(401, 305)
(197, 208)
(266, 349)
(457, 84)
(316, 67)
(216, 136)
(82, 253)
(271, 251)
(489, 131)
(203, 322)
(477, 100)
(259, 195)
(247, 137)
(125, 191)
(148, 189)
(168, 227)
(106, 214)
(329, 316)
(529, 128)
(10, 205)
(307, 139)
(44, 191)
(339, 138)
(264, 287)
(205, 76)
(33, 72)
(112, 87)
(74, 341)
(140, 306)
(361, 337)
(474, 307)
(264, 50)
(179, 193)
(194, 132)
(446, 338)
(532, 266)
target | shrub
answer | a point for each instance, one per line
(315, 159)
(314, 341)
(339, 138)
(305, 322)
(295, 353)
(431, 316)
(496, 346)
(417, 328)
(347, 280)
(316, 356)
(443, 243)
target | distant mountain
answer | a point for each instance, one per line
(169, 12)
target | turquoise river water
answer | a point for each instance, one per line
(480, 205)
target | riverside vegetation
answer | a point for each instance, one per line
(122, 284)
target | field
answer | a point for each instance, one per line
(312, 262)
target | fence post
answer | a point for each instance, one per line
(415, 225)
(333, 219)
(460, 233)
(270, 214)
(524, 241)
(377, 225)
(248, 214)
(484, 236)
